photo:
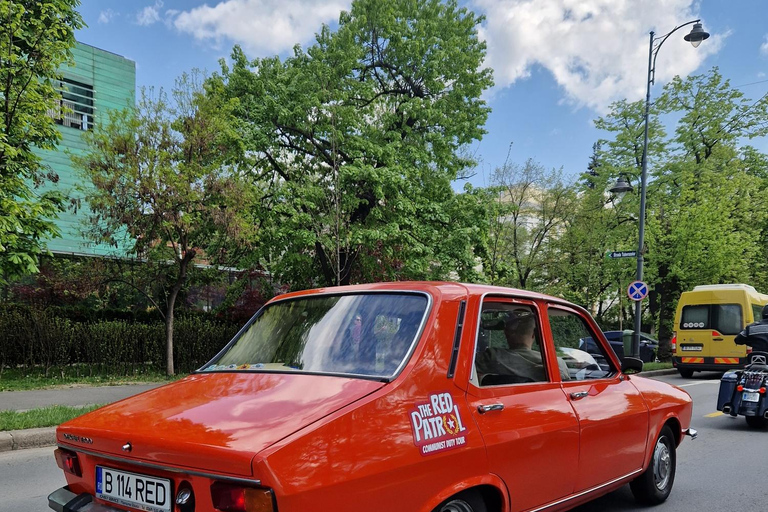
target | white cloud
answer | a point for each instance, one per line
(150, 14)
(106, 16)
(596, 50)
(260, 26)
(764, 47)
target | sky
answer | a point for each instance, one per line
(558, 64)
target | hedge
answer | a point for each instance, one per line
(44, 337)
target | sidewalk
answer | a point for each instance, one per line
(74, 397)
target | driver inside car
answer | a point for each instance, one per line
(519, 362)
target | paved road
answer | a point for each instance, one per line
(709, 470)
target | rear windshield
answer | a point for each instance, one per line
(359, 334)
(723, 318)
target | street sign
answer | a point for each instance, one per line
(637, 291)
(622, 254)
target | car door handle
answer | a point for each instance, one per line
(482, 409)
(578, 395)
(717, 339)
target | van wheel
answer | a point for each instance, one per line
(685, 373)
(756, 422)
(655, 483)
(467, 501)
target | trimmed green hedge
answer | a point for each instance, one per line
(44, 337)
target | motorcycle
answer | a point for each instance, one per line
(743, 392)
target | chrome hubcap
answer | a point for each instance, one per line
(456, 506)
(662, 464)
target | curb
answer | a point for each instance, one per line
(656, 373)
(28, 438)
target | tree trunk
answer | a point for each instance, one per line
(180, 280)
(669, 292)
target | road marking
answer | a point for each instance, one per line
(714, 414)
(700, 382)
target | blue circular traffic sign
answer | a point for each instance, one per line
(637, 290)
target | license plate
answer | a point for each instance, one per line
(132, 490)
(750, 396)
(692, 348)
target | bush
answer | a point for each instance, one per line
(46, 337)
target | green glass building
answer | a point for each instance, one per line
(98, 81)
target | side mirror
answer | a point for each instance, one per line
(631, 365)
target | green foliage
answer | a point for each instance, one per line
(44, 338)
(36, 39)
(163, 176)
(356, 141)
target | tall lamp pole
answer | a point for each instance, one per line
(695, 37)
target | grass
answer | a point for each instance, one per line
(43, 417)
(17, 379)
(656, 366)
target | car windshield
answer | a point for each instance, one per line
(367, 334)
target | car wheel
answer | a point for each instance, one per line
(468, 501)
(685, 373)
(756, 421)
(655, 483)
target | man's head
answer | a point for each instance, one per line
(765, 311)
(519, 330)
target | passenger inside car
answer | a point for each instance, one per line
(521, 360)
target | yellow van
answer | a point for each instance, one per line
(708, 318)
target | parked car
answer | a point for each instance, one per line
(418, 397)
(621, 343)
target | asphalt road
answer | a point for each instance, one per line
(724, 469)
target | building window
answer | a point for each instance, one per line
(75, 107)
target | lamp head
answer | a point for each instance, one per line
(696, 35)
(622, 186)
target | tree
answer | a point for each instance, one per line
(162, 179)
(36, 39)
(357, 140)
(703, 224)
(534, 204)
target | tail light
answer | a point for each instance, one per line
(673, 342)
(236, 498)
(749, 350)
(739, 388)
(762, 391)
(67, 461)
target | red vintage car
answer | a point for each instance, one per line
(416, 397)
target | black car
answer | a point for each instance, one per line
(621, 342)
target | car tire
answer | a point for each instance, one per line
(685, 373)
(467, 501)
(757, 422)
(655, 483)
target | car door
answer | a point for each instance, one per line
(612, 414)
(528, 425)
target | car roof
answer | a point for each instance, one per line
(444, 289)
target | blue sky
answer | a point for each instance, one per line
(558, 64)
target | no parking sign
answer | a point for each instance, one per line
(637, 290)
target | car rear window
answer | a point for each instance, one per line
(368, 334)
(724, 318)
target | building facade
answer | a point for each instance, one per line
(96, 83)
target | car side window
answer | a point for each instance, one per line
(577, 346)
(508, 349)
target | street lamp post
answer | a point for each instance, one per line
(695, 37)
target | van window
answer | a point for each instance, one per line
(757, 312)
(724, 318)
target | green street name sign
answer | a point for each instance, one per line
(622, 254)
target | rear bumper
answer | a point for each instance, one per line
(715, 364)
(64, 500)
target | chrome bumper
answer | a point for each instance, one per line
(690, 432)
(64, 500)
